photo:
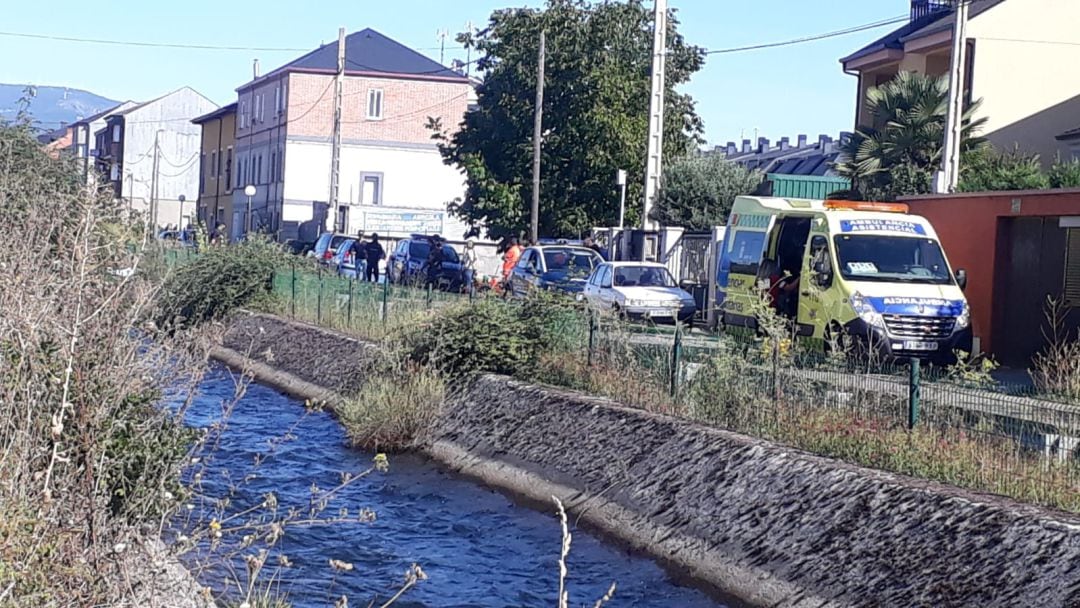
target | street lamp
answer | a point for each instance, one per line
(620, 180)
(249, 191)
(180, 223)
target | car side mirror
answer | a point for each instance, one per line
(961, 278)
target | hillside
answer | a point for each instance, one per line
(52, 105)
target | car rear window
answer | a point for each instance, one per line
(419, 249)
(336, 241)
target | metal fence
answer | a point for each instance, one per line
(957, 427)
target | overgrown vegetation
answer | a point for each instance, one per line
(394, 410)
(988, 169)
(87, 462)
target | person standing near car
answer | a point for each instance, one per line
(510, 258)
(374, 254)
(468, 265)
(435, 260)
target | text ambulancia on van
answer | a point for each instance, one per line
(866, 274)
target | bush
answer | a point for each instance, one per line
(1064, 174)
(987, 169)
(218, 282)
(394, 411)
(697, 192)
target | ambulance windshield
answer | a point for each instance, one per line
(887, 258)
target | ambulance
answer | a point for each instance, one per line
(868, 276)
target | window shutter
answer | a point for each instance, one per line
(1072, 268)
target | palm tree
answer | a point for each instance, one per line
(899, 154)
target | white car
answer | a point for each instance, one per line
(640, 290)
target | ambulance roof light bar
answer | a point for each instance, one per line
(867, 206)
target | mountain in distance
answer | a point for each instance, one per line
(51, 106)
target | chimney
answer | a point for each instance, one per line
(762, 144)
(746, 146)
(824, 139)
(785, 143)
(255, 69)
(731, 148)
(802, 140)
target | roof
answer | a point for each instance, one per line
(919, 28)
(367, 52)
(118, 107)
(218, 113)
(1069, 135)
(139, 106)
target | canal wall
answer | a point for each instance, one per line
(763, 523)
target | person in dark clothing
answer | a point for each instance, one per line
(591, 244)
(435, 260)
(374, 253)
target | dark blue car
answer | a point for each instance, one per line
(562, 268)
(408, 264)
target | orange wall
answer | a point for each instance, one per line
(967, 226)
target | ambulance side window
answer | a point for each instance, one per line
(746, 247)
(821, 262)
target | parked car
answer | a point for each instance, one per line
(327, 246)
(182, 238)
(407, 263)
(562, 268)
(641, 290)
(345, 262)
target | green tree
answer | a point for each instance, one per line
(697, 192)
(987, 169)
(900, 153)
(596, 102)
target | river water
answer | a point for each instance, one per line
(477, 547)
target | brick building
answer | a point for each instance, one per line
(392, 178)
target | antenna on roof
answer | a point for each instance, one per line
(441, 35)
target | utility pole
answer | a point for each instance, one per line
(538, 121)
(441, 35)
(469, 28)
(949, 176)
(154, 184)
(654, 160)
(335, 150)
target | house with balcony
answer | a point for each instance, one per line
(148, 154)
(391, 177)
(84, 143)
(1020, 58)
(216, 166)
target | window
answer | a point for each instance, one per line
(605, 277)
(821, 262)
(114, 172)
(371, 189)
(643, 276)
(116, 134)
(202, 172)
(374, 104)
(243, 114)
(228, 168)
(241, 173)
(746, 249)
(885, 258)
(273, 167)
(213, 164)
(258, 171)
(256, 115)
(1072, 268)
(277, 101)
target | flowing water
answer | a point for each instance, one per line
(476, 546)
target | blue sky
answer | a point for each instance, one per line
(774, 92)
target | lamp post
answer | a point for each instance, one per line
(620, 180)
(180, 221)
(249, 191)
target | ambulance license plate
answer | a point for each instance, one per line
(922, 346)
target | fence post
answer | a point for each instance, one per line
(592, 335)
(914, 391)
(676, 356)
(318, 301)
(385, 293)
(348, 310)
(775, 370)
(292, 300)
(429, 295)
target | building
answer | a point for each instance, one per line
(156, 134)
(85, 143)
(57, 141)
(1018, 249)
(1017, 51)
(392, 178)
(215, 204)
(802, 170)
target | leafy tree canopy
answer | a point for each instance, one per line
(697, 192)
(596, 103)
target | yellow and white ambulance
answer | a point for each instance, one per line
(869, 273)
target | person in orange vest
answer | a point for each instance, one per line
(510, 258)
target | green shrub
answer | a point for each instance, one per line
(1065, 174)
(987, 169)
(393, 411)
(217, 282)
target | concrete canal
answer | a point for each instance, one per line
(476, 546)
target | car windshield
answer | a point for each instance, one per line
(643, 276)
(419, 250)
(572, 262)
(892, 258)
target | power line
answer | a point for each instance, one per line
(169, 45)
(843, 32)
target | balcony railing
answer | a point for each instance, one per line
(920, 9)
